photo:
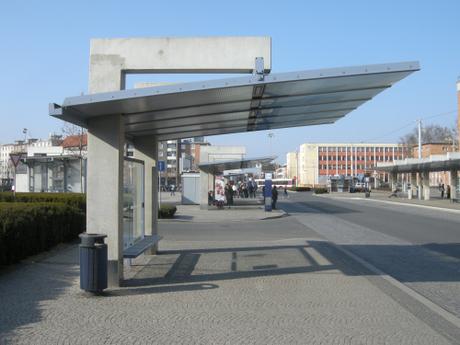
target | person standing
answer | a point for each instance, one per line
(228, 193)
(274, 197)
(285, 193)
(442, 191)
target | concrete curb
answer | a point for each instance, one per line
(283, 214)
(280, 214)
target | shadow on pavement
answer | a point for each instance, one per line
(407, 263)
(159, 289)
(433, 262)
(207, 264)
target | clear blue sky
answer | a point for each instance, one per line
(45, 46)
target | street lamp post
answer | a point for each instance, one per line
(270, 137)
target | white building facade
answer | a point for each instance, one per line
(317, 162)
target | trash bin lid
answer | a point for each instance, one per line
(89, 240)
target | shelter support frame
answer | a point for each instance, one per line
(110, 61)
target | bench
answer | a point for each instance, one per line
(141, 246)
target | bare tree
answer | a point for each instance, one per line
(430, 134)
(78, 147)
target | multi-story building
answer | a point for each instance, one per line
(291, 165)
(49, 165)
(458, 114)
(25, 147)
(429, 149)
(318, 161)
(179, 156)
(169, 153)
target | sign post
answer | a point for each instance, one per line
(268, 192)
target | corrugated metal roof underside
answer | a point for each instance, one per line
(238, 104)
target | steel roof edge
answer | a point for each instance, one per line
(208, 164)
(409, 66)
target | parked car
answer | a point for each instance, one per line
(359, 187)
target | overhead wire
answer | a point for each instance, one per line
(409, 124)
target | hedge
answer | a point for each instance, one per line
(77, 200)
(167, 211)
(30, 228)
(301, 189)
(321, 190)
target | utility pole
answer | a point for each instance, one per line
(419, 122)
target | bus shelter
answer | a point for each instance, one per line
(209, 171)
(419, 171)
(142, 117)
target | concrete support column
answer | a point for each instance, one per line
(393, 180)
(104, 197)
(453, 184)
(426, 185)
(413, 185)
(206, 184)
(146, 149)
(419, 186)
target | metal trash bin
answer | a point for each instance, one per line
(93, 262)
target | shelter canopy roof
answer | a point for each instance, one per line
(433, 163)
(219, 167)
(239, 104)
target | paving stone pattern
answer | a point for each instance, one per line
(270, 292)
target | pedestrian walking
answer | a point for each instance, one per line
(274, 197)
(285, 193)
(442, 191)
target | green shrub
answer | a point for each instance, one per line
(28, 228)
(77, 200)
(167, 211)
(301, 189)
(321, 190)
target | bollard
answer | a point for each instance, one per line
(93, 262)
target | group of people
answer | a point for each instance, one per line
(245, 189)
(444, 190)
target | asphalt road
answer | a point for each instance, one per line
(417, 246)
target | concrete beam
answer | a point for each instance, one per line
(105, 188)
(393, 180)
(426, 185)
(111, 59)
(413, 185)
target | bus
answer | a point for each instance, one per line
(278, 182)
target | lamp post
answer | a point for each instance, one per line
(270, 137)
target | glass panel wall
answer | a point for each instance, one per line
(133, 202)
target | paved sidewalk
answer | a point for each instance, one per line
(295, 288)
(401, 198)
